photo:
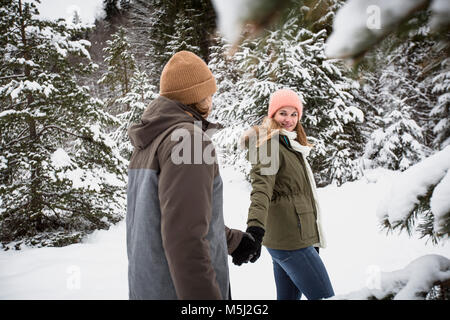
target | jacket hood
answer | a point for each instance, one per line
(161, 114)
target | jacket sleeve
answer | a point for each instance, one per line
(234, 237)
(185, 194)
(262, 177)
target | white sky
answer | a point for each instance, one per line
(87, 9)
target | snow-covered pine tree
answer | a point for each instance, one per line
(417, 201)
(184, 36)
(148, 29)
(400, 99)
(397, 145)
(204, 21)
(116, 12)
(121, 66)
(292, 56)
(154, 24)
(141, 93)
(227, 73)
(125, 6)
(61, 176)
(406, 98)
(440, 112)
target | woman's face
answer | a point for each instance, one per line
(287, 117)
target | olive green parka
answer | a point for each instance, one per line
(282, 201)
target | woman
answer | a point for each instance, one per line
(284, 214)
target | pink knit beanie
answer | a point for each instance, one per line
(284, 98)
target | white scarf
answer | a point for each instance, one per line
(305, 150)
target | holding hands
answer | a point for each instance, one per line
(249, 249)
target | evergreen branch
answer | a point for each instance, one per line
(18, 139)
(51, 208)
(43, 130)
(60, 207)
(65, 131)
(12, 76)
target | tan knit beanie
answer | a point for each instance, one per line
(187, 79)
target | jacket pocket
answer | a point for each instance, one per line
(303, 203)
(307, 221)
(307, 225)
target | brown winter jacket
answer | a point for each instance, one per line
(177, 242)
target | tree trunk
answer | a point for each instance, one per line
(35, 204)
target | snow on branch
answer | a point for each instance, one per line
(13, 76)
(414, 282)
(430, 175)
(360, 24)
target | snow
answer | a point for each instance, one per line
(81, 178)
(88, 10)
(61, 51)
(60, 159)
(231, 15)
(15, 88)
(80, 46)
(439, 202)
(94, 269)
(359, 22)
(90, 179)
(402, 196)
(25, 62)
(49, 89)
(60, 40)
(3, 163)
(7, 113)
(15, 93)
(97, 267)
(99, 136)
(418, 276)
(441, 13)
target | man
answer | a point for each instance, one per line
(177, 242)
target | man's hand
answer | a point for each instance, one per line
(246, 250)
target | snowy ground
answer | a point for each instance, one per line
(97, 268)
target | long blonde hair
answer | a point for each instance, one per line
(268, 128)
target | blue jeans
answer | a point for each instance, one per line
(300, 272)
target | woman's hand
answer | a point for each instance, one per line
(257, 234)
